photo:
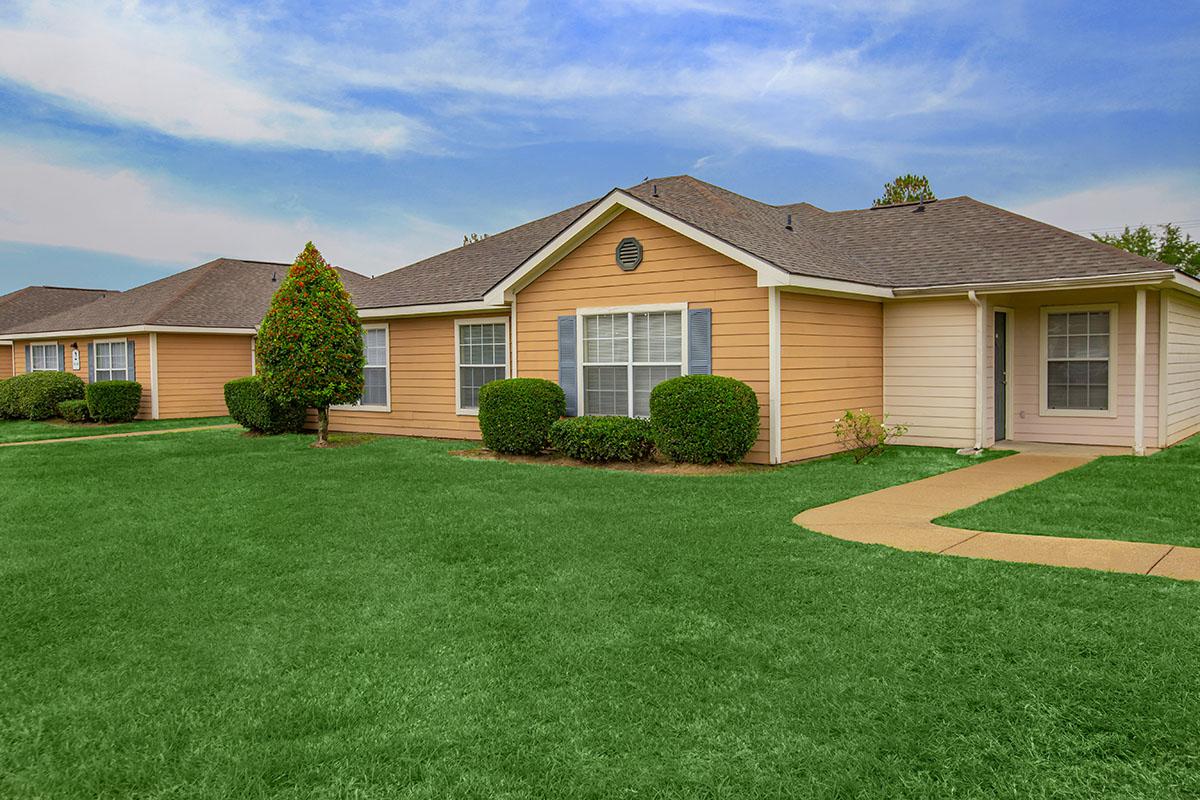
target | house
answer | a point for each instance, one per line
(33, 302)
(182, 337)
(965, 322)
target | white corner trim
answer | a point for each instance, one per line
(1164, 330)
(153, 376)
(458, 365)
(775, 370)
(980, 366)
(1139, 376)
(512, 336)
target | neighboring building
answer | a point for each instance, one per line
(963, 321)
(33, 302)
(182, 337)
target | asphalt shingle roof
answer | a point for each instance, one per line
(34, 302)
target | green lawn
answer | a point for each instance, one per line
(209, 615)
(26, 431)
(1150, 499)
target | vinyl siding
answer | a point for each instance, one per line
(141, 361)
(6, 361)
(422, 363)
(832, 361)
(193, 370)
(674, 269)
(929, 370)
(1183, 367)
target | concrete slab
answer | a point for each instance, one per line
(1059, 551)
(1182, 563)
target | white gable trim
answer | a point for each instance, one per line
(617, 201)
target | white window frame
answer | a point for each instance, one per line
(458, 365)
(53, 348)
(95, 345)
(387, 360)
(1113, 373)
(580, 313)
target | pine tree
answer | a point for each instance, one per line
(906, 189)
(310, 345)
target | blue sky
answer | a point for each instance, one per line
(138, 139)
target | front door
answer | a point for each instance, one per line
(1000, 378)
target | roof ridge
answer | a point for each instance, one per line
(202, 272)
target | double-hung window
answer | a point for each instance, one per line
(1079, 345)
(482, 347)
(43, 358)
(112, 361)
(375, 370)
(627, 354)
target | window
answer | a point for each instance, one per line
(627, 354)
(482, 357)
(43, 358)
(375, 372)
(111, 361)
(1078, 346)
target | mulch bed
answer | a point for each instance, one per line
(655, 466)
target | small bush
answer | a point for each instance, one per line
(599, 439)
(250, 407)
(73, 410)
(515, 415)
(702, 419)
(39, 393)
(8, 399)
(863, 435)
(113, 401)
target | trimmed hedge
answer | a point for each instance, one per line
(36, 395)
(250, 407)
(599, 439)
(113, 401)
(702, 419)
(515, 414)
(73, 410)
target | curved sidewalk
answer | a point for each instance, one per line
(125, 435)
(899, 517)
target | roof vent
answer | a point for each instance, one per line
(273, 277)
(920, 208)
(629, 254)
(788, 226)
(654, 190)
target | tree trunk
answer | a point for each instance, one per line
(322, 428)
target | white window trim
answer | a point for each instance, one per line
(1113, 374)
(458, 365)
(387, 360)
(580, 313)
(92, 366)
(54, 348)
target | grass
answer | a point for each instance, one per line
(210, 615)
(1147, 499)
(26, 431)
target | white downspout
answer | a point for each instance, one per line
(1139, 376)
(775, 381)
(980, 365)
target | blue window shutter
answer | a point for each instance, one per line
(62, 364)
(28, 358)
(567, 363)
(699, 341)
(131, 373)
(91, 363)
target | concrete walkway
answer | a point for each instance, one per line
(125, 435)
(899, 517)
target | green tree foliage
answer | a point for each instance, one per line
(906, 189)
(310, 346)
(1172, 246)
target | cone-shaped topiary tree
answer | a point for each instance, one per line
(310, 346)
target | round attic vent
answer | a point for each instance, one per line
(629, 254)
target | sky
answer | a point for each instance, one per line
(140, 139)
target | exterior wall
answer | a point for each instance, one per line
(1027, 372)
(1182, 406)
(674, 269)
(832, 361)
(141, 363)
(929, 370)
(6, 361)
(421, 367)
(193, 370)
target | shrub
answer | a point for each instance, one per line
(8, 399)
(250, 407)
(39, 393)
(73, 410)
(701, 419)
(602, 438)
(864, 435)
(113, 401)
(515, 415)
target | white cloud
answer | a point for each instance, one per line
(1110, 207)
(178, 71)
(123, 212)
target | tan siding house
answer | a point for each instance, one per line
(1180, 383)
